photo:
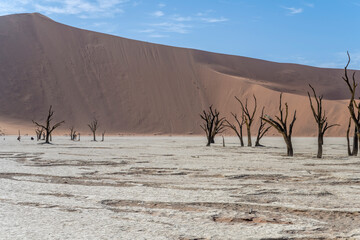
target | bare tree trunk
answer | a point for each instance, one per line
(102, 136)
(289, 147)
(355, 143)
(47, 139)
(355, 148)
(241, 138)
(39, 132)
(223, 141)
(348, 138)
(249, 136)
(320, 144)
(72, 133)
(93, 127)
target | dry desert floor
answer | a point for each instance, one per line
(176, 188)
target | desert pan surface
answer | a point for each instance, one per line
(176, 188)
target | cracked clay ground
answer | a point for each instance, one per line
(176, 188)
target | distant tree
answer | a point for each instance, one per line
(320, 118)
(354, 108)
(102, 136)
(72, 133)
(93, 127)
(237, 129)
(262, 130)
(212, 125)
(39, 133)
(47, 126)
(280, 124)
(248, 116)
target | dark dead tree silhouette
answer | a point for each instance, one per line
(280, 124)
(47, 126)
(39, 133)
(320, 118)
(237, 129)
(212, 125)
(354, 151)
(72, 133)
(354, 108)
(103, 136)
(93, 127)
(248, 116)
(262, 130)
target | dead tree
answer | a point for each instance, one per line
(102, 136)
(262, 130)
(213, 124)
(248, 117)
(237, 129)
(19, 137)
(354, 151)
(72, 133)
(320, 118)
(280, 124)
(74, 136)
(93, 127)
(354, 108)
(39, 133)
(47, 126)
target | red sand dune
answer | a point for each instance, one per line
(143, 88)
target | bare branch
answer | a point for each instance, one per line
(48, 129)
(280, 124)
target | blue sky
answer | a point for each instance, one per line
(311, 32)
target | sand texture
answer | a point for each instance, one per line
(142, 88)
(176, 188)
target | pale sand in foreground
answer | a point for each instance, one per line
(176, 188)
